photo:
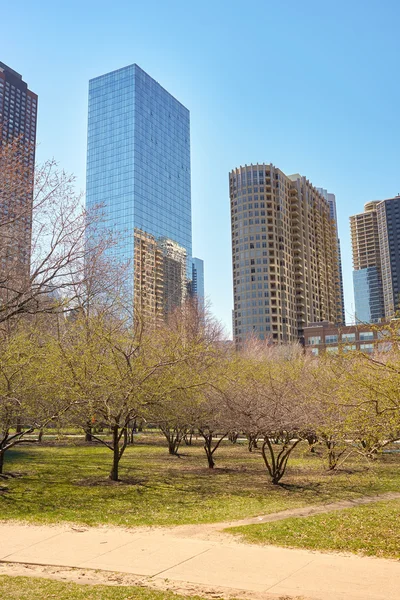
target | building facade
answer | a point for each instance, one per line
(388, 213)
(196, 285)
(367, 276)
(18, 121)
(285, 255)
(138, 163)
(375, 237)
(148, 277)
(331, 199)
(320, 338)
(175, 262)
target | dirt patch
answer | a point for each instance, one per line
(92, 577)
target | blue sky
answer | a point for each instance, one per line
(311, 86)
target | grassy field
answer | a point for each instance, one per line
(70, 483)
(372, 530)
(32, 588)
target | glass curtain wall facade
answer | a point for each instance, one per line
(368, 295)
(367, 274)
(197, 287)
(138, 160)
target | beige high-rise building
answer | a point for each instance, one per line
(174, 269)
(364, 237)
(286, 270)
(148, 277)
(367, 273)
(375, 236)
(160, 283)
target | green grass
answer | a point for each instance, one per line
(32, 588)
(371, 530)
(70, 483)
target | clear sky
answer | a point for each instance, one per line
(311, 86)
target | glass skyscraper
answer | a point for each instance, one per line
(368, 295)
(138, 160)
(197, 288)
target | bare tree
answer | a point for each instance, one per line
(46, 237)
(265, 395)
(178, 397)
(30, 395)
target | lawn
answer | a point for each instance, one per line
(30, 588)
(69, 482)
(371, 530)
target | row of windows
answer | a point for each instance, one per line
(366, 348)
(345, 337)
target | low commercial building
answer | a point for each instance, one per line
(325, 337)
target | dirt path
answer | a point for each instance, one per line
(215, 530)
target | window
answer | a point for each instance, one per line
(348, 337)
(314, 351)
(331, 339)
(314, 339)
(385, 346)
(349, 348)
(383, 334)
(366, 336)
(332, 350)
(368, 348)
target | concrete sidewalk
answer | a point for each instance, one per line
(159, 553)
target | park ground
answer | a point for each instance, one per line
(66, 481)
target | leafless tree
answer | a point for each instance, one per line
(46, 237)
(265, 395)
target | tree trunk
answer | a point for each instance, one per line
(174, 438)
(276, 464)
(209, 452)
(208, 439)
(312, 440)
(252, 441)
(18, 427)
(187, 438)
(88, 432)
(118, 449)
(173, 445)
(2, 453)
(233, 437)
(116, 454)
(210, 459)
(40, 436)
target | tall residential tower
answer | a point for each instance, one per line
(18, 117)
(388, 212)
(286, 271)
(367, 274)
(331, 199)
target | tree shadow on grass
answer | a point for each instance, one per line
(12, 475)
(302, 487)
(106, 482)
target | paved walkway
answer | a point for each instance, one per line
(159, 554)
